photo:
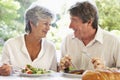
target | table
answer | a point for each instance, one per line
(55, 76)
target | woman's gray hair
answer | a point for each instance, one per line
(35, 13)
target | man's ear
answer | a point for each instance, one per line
(90, 22)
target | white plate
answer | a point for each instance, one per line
(34, 75)
(71, 75)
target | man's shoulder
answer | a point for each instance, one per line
(110, 36)
(70, 36)
(71, 39)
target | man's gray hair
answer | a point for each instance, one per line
(35, 13)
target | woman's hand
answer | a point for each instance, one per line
(5, 70)
(65, 62)
(98, 63)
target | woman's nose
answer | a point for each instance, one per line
(48, 27)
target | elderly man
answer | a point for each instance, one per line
(89, 47)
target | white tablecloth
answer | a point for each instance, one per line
(55, 76)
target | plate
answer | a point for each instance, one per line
(71, 75)
(34, 75)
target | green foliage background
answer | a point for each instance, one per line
(12, 21)
(109, 14)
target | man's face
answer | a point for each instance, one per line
(80, 29)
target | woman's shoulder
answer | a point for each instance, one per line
(15, 40)
(47, 42)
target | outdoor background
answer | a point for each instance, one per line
(12, 18)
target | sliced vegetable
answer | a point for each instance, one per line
(32, 70)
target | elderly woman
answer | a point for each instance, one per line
(31, 48)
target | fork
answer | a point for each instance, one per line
(86, 54)
(74, 66)
(16, 69)
(71, 61)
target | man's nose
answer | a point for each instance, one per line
(71, 25)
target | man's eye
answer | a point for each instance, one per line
(74, 21)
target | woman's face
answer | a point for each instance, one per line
(41, 29)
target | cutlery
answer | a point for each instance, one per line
(66, 70)
(16, 69)
(68, 56)
(87, 54)
(74, 66)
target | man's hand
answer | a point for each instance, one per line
(65, 62)
(5, 70)
(98, 63)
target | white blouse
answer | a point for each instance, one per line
(15, 53)
(104, 46)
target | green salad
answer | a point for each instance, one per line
(32, 70)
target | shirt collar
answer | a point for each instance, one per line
(99, 35)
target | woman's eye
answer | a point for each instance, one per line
(47, 24)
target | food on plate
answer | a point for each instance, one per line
(32, 70)
(76, 71)
(101, 75)
(72, 70)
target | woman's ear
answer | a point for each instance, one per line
(31, 24)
